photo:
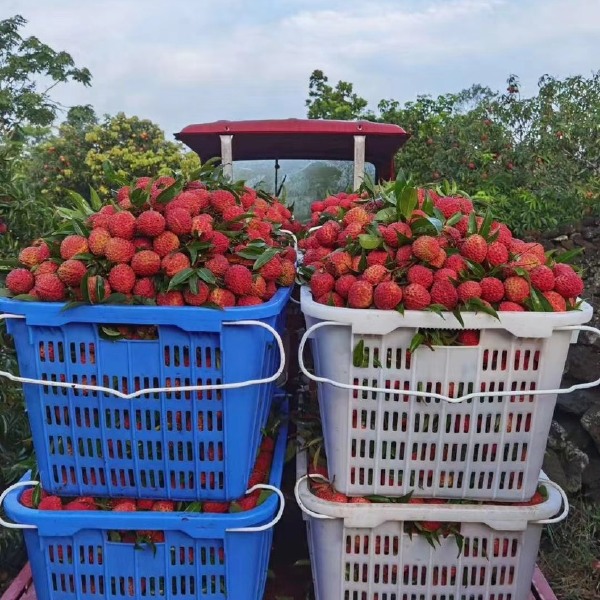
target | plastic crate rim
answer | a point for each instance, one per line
(381, 322)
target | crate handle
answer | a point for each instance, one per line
(303, 508)
(565, 504)
(420, 394)
(182, 388)
(5, 493)
(276, 518)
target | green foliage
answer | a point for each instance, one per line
(327, 102)
(136, 148)
(537, 157)
(24, 62)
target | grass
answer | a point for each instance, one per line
(570, 553)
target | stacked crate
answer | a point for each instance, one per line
(176, 417)
(454, 423)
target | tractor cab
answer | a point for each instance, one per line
(310, 158)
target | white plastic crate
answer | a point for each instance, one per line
(361, 551)
(466, 423)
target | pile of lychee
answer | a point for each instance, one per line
(168, 242)
(435, 254)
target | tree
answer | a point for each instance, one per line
(23, 62)
(536, 159)
(326, 102)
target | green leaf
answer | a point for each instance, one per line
(416, 341)
(169, 192)
(195, 507)
(568, 256)
(111, 175)
(362, 263)
(303, 562)
(386, 215)
(193, 283)
(454, 219)
(368, 241)
(250, 253)
(206, 276)
(480, 306)
(80, 202)
(180, 277)
(265, 258)
(427, 226)
(358, 354)
(116, 298)
(486, 224)
(26, 298)
(95, 201)
(438, 309)
(472, 224)
(458, 316)
(72, 304)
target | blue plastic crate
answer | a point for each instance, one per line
(72, 558)
(177, 445)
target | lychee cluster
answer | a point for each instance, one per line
(437, 255)
(167, 242)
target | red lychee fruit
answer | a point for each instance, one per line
(145, 263)
(288, 275)
(327, 234)
(238, 279)
(342, 285)
(497, 254)
(416, 297)
(390, 234)
(20, 281)
(174, 263)
(97, 241)
(73, 245)
(404, 256)
(172, 298)
(144, 287)
(492, 289)
(122, 224)
(444, 293)
(249, 301)
(221, 199)
(50, 288)
(357, 215)
(468, 290)
(272, 270)
(122, 278)
(377, 257)
(426, 248)
(179, 221)
(150, 223)
(375, 274)
(542, 278)
(119, 250)
(321, 283)
(202, 225)
(568, 285)
(198, 298)
(222, 298)
(339, 263)
(165, 243)
(219, 242)
(456, 262)
(98, 288)
(71, 272)
(217, 265)
(48, 266)
(387, 295)
(474, 248)
(558, 303)
(516, 289)
(420, 274)
(360, 294)
(507, 306)
(30, 256)
(445, 274)
(331, 299)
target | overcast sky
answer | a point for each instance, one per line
(183, 61)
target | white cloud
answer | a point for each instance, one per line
(186, 61)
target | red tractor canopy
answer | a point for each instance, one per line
(279, 139)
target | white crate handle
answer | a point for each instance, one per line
(565, 504)
(276, 518)
(303, 508)
(420, 394)
(182, 388)
(5, 493)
